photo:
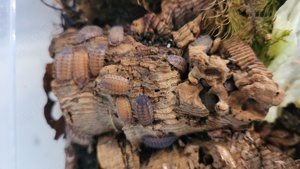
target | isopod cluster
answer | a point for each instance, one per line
(107, 82)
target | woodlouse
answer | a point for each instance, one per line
(80, 67)
(96, 59)
(144, 110)
(162, 142)
(124, 109)
(178, 62)
(88, 32)
(63, 65)
(116, 35)
(115, 84)
(226, 156)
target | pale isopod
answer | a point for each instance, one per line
(215, 45)
(124, 109)
(144, 110)
(162, 142)
(63, 65)
(115, 84)
(88, 32)
(116, 35)
(226, 156)
(96, 59)
(80, 68)
(178, 62)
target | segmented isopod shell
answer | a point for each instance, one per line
(96, 59)
(115, 84)
(226, 156)
(144, 110)
(80, 67)
(124, 109)
(155, 142)
(116, 35)
(63, 65)
(178, 62)
(78, 138)
(88, 32)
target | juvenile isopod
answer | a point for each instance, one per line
(226, 156)
(96, 59)
(115, 84)
(144, 110)
(162, 142)
(88, 32)
(80, 67)
(124, 109)
(63, 65)
(178, 62)
(116, 35)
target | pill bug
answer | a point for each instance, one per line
(123, 109)
(178, 62)
(88, 32)
(162, 142)
(96, 59)
(115, 84)
(80, 67)
(116, 35)
(78, 138)
(63, 65)
(144, 110)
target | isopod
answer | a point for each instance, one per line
(178, 62)
(88, 32)
(96, 59)
(226, 156)
(116, 35)
(124, 109)
(144, 110)
(63, 65)
(115, 84)
(162, 142)
(78, 138)
(80, 68)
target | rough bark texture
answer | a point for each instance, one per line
(136, 99)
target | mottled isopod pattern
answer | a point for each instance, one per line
(63, 65)
(88, 32)
(80, 67)
(124, 109)
(116, 35)
(96, 59)
(78, 138)
(144, 110)
(155, 142)
(115, 84)
(178, 62)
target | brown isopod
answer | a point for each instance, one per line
(178, 62)
(88, 32)
(96, 59)
(162, 142)
(124, 109)
(63, 65)
(116, 35)
(80, 67)
(144, 110)
(115, 84)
